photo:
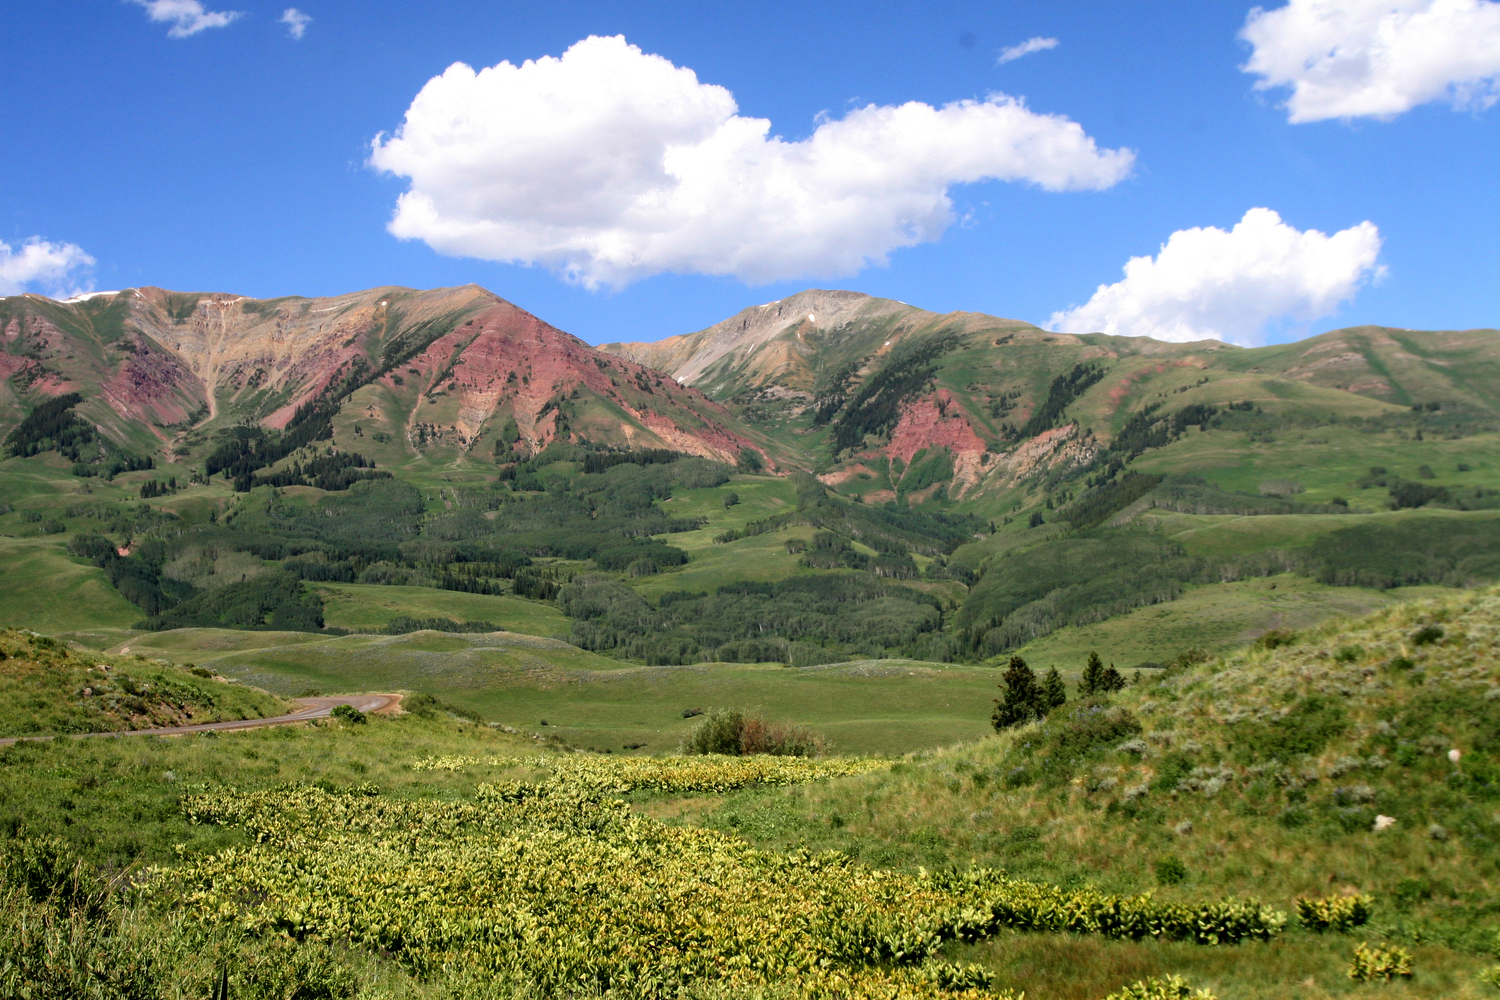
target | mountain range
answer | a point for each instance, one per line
(838, 382)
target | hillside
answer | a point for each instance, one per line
(397, 373)
(864, 388)
(1248, 824)
(868, 481)
(48, 689)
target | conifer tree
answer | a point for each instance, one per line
(1099, 679)
(1022, 700)
(1093, 674)
(1111, 680)
(1054, 695)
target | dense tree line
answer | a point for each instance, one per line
(1445, 551)
(326, 472)
(1073, 581)
(892, 529)
(270, 601)
(53, 426)
(137, 576)
(846, 614)
(1064, 389)
(602, 461)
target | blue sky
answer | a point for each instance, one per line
(237, 158)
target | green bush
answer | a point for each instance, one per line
(1170, 870)
(1163, 988)
(349, 714)
(1306, 729)
(736, 733)
(1378, 963)
(1334, 913)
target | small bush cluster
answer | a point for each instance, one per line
(1383, 964)
(735, 733)
(1163, 988)
(1334, 913)
(349, 714)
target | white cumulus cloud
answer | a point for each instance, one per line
(58, 269)
(188, 17)
(609, 165)
(1376, 58)
(1026, 48)
(296, 21)
(1208, 283)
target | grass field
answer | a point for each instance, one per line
(874, 706)
(366, 606)
(1066, 806)
(1217, 617)
(1228, 535)
(45, 589)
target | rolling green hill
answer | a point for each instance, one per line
(48, 689)
(826, 479)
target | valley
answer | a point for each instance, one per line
(832, 514)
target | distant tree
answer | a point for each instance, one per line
(1099, 679)
(730, 499)
(750, 460)
(1036, 519)
(1022, 700)
(1093, 673)
(1054, 695)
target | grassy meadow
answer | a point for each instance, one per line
(591, 701)
(1258, 775)
(365, 606)
(1217, 617)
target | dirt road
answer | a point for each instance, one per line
(312, 708)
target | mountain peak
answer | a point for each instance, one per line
(815, 311)
(439, 374)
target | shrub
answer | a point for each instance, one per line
(428, 706)
(349, 714)
(1306, 729)
(1070, 738)
(1334, 913)
(46, 870)
(1170, 870)
(1275, 639)
(736, 733)
(730, 499)
(1427, 635)
(1383, 964)
(1165, 988)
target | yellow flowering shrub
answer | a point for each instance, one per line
(559, 883)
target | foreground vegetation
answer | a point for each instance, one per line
(1247, 823)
